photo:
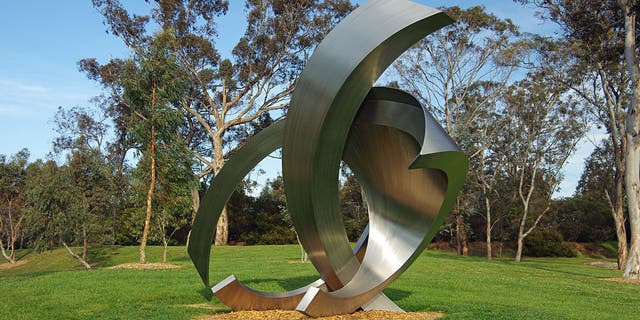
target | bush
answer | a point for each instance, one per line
(546, 243)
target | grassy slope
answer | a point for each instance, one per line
(464, 288)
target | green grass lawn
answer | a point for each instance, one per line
(50, 286)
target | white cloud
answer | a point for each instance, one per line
(15, 111)
(19, 88)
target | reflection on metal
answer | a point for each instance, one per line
(409, 168)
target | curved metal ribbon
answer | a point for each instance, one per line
(328, 94)
(409, 168)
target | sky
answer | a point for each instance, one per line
(42, 41)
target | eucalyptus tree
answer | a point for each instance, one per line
(151, 90)
(630, 9)
(12, 201)
(591, 48)
(67, 204)
(602, 35)
(257, 77)
(486, 172)
(543, 128)
(443, 70)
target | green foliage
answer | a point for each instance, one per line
(354, 211)
(583, 219)
(68, 203)
(598, 176)
(546, 243)
(261, 220)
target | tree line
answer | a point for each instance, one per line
(136, 164)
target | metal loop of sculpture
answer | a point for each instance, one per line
(409, 168)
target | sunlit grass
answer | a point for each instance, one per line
(51, 285)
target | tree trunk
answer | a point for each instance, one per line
(632, 173)
(461, 236)
(4, 252)
(222, 228)
(164, 249)
(521, 235)
(632, 267)
(303, 254)
(12, 235)
(73, 254)
(487, 205)
(619, 220)
(195, 205)
(621, 234)
(152, 185)
(520, 245)
(85, 243)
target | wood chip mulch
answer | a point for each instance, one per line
(145, 266)
(294, 315)
(621, 280)
(603, 264)
(8, 265)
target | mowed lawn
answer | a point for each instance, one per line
(50, 286)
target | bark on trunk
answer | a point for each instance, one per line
(632, 173)
(73, 254)
(164, 249)
(632, 267)
(303, 254)
(461, 236)
(85, 243)
(152, 185)
(519, 250)
(487, 204)
(621, 229)
(195, 205)
(13, 234)
(521, 234)
(222, 228)
(4, 253)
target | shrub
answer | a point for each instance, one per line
(547, 243)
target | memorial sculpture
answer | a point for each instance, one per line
(409, 168)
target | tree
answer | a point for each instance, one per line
(257, 79)
(542, 131)
(152, 88)
(598, 182)
(354, 209)
(443, 70)
(173, 191)
(630, 9)
(12, 184)
(592, 47)
(67, 204)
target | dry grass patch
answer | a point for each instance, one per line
(603, 264)
(621, 280)
(145, 266)
(294, 315)
(8, 265)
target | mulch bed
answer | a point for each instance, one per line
(8, 265)
(294, 315)
(621, 280)
(603, 264)
(145, 266)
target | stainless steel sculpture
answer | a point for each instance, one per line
(409, 168)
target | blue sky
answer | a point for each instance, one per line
(42, 41)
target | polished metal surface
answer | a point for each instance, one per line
(328, 95)
(409, 168)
